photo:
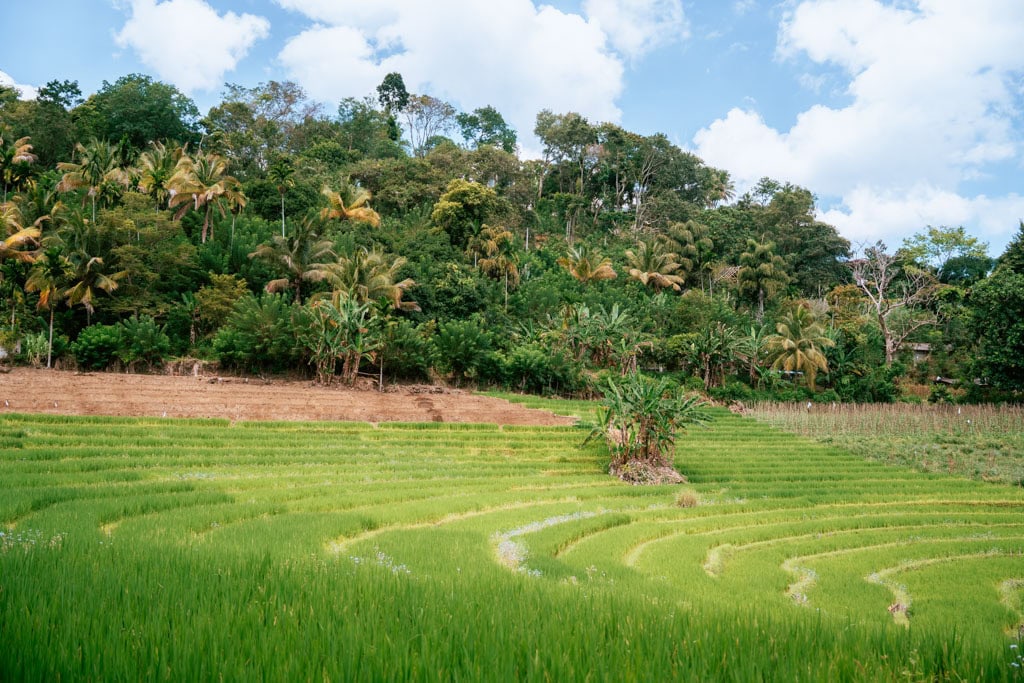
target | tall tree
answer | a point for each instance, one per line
(498, 256)
(281, 173)
(251, 126)
(898, 294)
(463, 209)
(997, 323)
(653, 266)
(86, 279)
(202, 182)
(798, 343)
(1013, 257)
(586, 265)
(49, 276)
(140, 110)
(156, 168)
(97, 169)
(762, 273)
(15, 160)
(349, 203)
(426, 117)
(392, 95)
(306, 256)
(368, 275)
(944, 250)
(486, 126)
(17, 239)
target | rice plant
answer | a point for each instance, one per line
(202, 550)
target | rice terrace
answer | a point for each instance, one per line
(151, 548)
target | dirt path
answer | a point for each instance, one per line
(24, 390)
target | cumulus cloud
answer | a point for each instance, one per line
(28, 92)
(635, 27)
(187, 43)
(933, 89)
(516, 55)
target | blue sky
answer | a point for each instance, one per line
(896, 114)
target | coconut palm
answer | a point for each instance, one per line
(199, 182)
(49, 276)
(762, 273)
(499, 257)
(97, 169)
(586, 265)
(280, 173)
(693, 246)
(86, 280)
(655, 267)
(16, 239)
(349, 204)
(368, 275)
(797, 344)
(14, 161)
(305, 256)
(156, 168)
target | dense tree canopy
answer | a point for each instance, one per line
(256, 234)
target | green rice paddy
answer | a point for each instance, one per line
(147, 549)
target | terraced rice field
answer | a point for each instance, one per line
(149, 549)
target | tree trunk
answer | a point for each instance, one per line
(49, 348)
(282, 215)
(890, 346)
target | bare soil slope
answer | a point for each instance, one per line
(24, 390)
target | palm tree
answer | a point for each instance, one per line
(349, 204)
(17, 238)
(14, 161)
(762, 273)
(86, 279)
(306, 257)
(587, 265)
(202, 181)
(692, 244)
(48, 276)
(280, 173)
(797, 344)
(499, 257)
(369, 275)
(98, 170)
(654, 267)
(156, 168)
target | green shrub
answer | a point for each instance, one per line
(732, 391)
(641, 418)
(259, 335)
(407, 351)
(461, 346)
(97, 346)
(143, 341)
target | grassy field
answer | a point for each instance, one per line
(982, 442)
(147, 549)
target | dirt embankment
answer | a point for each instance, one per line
(25, 390)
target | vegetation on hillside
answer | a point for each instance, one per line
(242, 234)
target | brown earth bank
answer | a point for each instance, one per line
(24, 390)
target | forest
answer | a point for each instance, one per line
(397, 237)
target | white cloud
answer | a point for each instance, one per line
(28, 92)
(869, 214)
(187, 43)
(635, 27)
(514, 55)
(933, 88)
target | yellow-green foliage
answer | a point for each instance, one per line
(198, 550)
